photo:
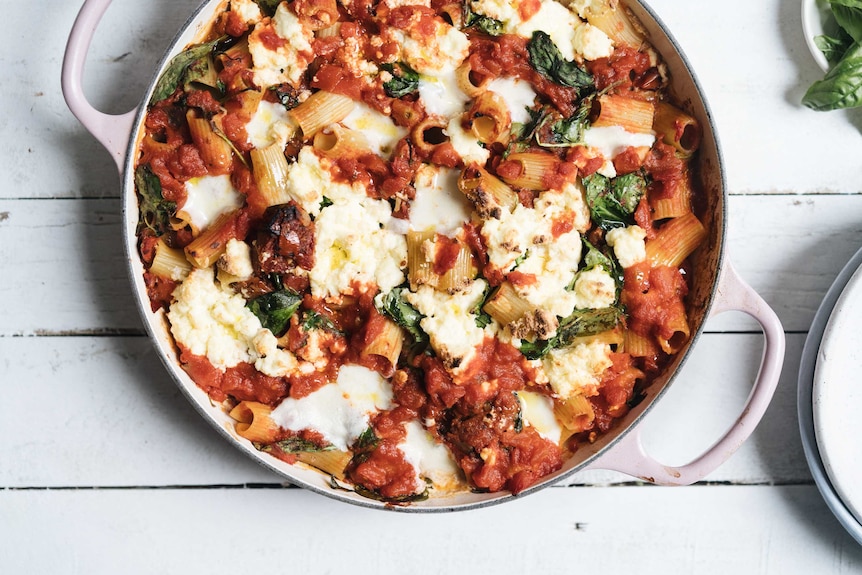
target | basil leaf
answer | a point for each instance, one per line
(842, 85)
(404, 82)
(275, 309)
(398, 310)
(155, 211)
(176, 70)
(485, 24)
(848, 14)
(547, 60)
(833, 48)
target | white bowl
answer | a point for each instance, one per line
(814, 13)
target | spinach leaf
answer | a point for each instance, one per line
(595, 257)
(629, 189)
(395, 307)
(842, 85)
(567, 132)
(296, 445)
(581, 323)
(155, 210)
(483, 319)
(403, 82)
(613, 202)
(176, 70)
(848, 14)
(275, 309)
(483, 23)
(547, 60)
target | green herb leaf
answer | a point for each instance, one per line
(176, 70)
(325, 202)
(313, 320)
(580, 323)
(483, 319)
(403, 82)
(613, 202)
(833, 47)
(567, 132)
(275, 309)
(156, 212)
(848, 14)
(547, 60)
(485, 24)
(594, 257)
(842, 85)
(299, 445)
(395, 307)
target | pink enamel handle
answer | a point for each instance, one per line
(628, 455)
(113, 131)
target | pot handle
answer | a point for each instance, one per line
(628, 455)
(113, 131)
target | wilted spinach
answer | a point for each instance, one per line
(155, 210)
(275, 309)
(547, 60)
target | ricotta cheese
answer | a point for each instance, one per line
(438, 205)
(271, 124)
(289, 61)
(236, 260)
(448, 322)
(354, 247)
(577, 369)
(213, 321)
(208, 197)
(594, 289)
(553, 265)
(309, 179)
(628, 244)
(248, 10)
(432, 53)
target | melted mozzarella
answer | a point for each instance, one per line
(612, 140)
(517, 94)
(558, 22)
(439, 204)
(429, 458)
(537, 410)
(441, 94)
(208, 197)
(339, 411)
(379, 131)
(466, 144)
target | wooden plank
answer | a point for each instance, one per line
(714, 530)
(64, 266)
(108, 415)
(740, 78)
(53, 155)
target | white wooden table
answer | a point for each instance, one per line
(105, 468)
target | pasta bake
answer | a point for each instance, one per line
(424, 246)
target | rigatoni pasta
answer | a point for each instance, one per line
(422, 249)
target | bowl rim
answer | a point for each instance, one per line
(813, 13)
